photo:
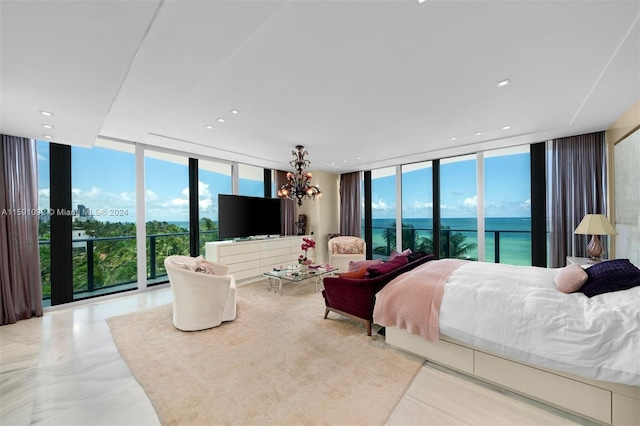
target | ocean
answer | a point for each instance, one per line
(514, 235)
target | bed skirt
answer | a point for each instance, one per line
(603, 402)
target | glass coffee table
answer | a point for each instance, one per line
(277, 277)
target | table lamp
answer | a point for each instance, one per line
(595, 224)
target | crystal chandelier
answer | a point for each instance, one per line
(298, 184)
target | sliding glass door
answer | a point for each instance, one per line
(103, 228)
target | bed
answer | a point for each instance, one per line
(509, 325)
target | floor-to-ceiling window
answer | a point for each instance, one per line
(507, 205)
(44, 220)
(383, 211)
(250, 180)
(417, 206)
(167, 210)
(213, 178)
(103, 222)
(458, 208)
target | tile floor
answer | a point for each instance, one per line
(64, 369)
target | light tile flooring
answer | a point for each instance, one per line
(64, 369)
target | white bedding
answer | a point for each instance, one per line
(517, 311)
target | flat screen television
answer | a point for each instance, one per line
(240, 216)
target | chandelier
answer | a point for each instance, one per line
(298, 184)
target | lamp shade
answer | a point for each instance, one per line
(595, 224)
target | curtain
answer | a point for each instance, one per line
(577, 186)
(350, 210)
(20, 287)
(288, 207)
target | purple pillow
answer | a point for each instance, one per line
(376, 271)
(611, 275)
(356, 265)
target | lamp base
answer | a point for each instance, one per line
(594, 249)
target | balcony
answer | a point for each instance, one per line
(502, 246)
(106, 265)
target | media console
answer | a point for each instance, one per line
(249, 259)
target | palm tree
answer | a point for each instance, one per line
(409, 237)
(452, 245)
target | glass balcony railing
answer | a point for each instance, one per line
(503, 246)
(106, 265)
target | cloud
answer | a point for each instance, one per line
(205, 199)
(381, 205)
(179, 202)
(150, 195)
(419, 205)
(471, 202)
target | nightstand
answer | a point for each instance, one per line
(585, 262)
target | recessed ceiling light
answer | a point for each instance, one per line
(421, 1)
(453, 138)
(221, 120)
(48, 137)
(506, 127)
(47, 113)
(503, 83)
(209, 126)
(344, 161)
(234, 111)
(47, 126)
(357, 158)
(478, 133)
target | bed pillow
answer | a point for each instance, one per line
(376, 271)
(571, 278)
(611, 275)
(356, 265)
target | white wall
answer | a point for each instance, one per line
(627, 198)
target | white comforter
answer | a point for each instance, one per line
(517, 311)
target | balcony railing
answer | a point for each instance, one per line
(109, 264)
(508, 246)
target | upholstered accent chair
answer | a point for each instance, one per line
(343, 250)
(200, 300)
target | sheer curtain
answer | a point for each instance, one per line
(577, 186)
(20, 288)
(350, 211)
(288, 211)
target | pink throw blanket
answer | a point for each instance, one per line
(412, 300)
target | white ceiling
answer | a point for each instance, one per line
(387, 81)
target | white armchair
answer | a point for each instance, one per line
(343, 250)
(200, 300)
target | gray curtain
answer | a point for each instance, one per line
(577, 186)
(20, 287)
(350, 210)
(288, 210)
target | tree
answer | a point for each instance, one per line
(452, 245)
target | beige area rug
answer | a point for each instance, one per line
(278, 363)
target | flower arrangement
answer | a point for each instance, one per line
(307, 244)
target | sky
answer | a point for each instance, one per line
(507, 190)
(103, 180)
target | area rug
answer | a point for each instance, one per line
(278, 363)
